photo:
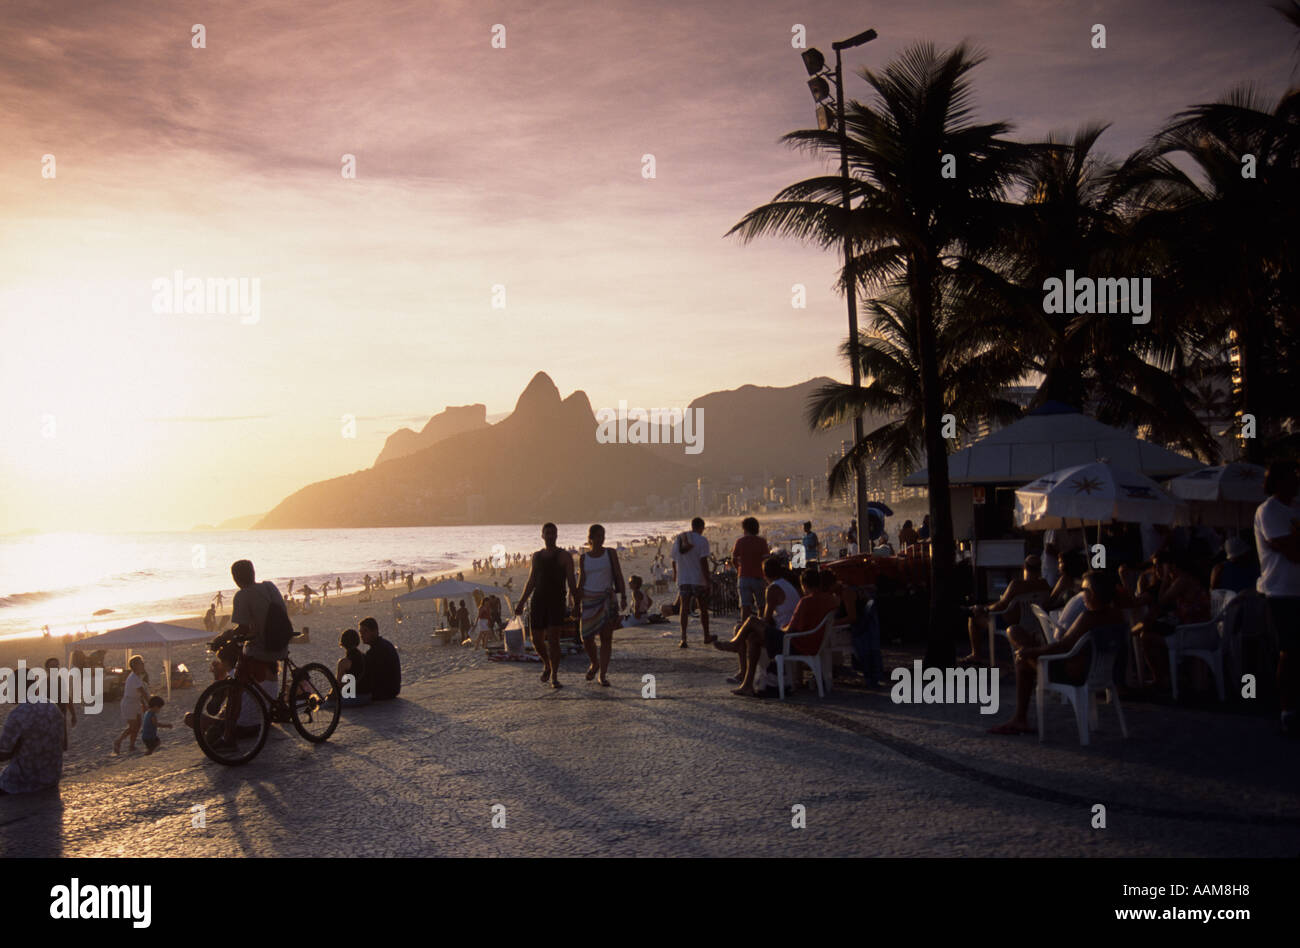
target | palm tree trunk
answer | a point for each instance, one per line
(943, 549)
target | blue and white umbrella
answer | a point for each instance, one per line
(1092, 493)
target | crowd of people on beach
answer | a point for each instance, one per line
(1160, 579)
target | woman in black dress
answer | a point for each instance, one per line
(551, 571)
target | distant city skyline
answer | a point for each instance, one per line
(477, 168)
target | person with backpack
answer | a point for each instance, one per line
(259, 614)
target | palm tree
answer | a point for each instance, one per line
(1072, 217)
(910, 226)
(974, 368)
(1227, 236)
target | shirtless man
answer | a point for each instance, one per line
(551, 571)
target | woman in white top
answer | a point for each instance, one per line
(135, 701)
(599, 577)
(779, 600)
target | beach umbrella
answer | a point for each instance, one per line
(1092, 493)
(1222, 495)
(148, 635)
(1235, 483)
(452, 589)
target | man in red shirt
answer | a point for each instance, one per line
(748, 555)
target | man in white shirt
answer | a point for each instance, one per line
(690, 557)
(1277, 540)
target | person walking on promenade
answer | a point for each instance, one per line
(1277, 540)
(599, 577)
(548, 576)
(690, 555)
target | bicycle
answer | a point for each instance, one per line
(303, 700)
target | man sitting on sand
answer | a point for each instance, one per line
(32, 741)
(382, 677)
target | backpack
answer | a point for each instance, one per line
(277, 630)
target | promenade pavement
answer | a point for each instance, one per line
(694, 771)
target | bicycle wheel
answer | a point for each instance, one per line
(252, 727)
(312, 717)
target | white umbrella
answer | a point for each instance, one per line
(1237, 482)
(1096, 492)
(452, 589)
(1224, 495)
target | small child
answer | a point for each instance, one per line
(641, 604)
(149, 729)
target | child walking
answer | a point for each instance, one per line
(149, 729)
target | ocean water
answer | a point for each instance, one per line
(61, 579)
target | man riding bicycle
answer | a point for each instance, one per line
(249, 610)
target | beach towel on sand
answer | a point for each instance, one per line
(501, 655)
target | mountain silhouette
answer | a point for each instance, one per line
(543, 462)
(450, 421)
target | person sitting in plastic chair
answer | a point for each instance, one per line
(1100, 610)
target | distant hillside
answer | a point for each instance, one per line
(761, 431)
(246, 522)
(450, 421)
(541, 463)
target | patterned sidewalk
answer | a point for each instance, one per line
(691, 772)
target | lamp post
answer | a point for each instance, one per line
(815, 63)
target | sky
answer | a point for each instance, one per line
(475, 168)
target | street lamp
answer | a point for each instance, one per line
(815, 63)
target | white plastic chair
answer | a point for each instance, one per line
(1101, 677)
(1203, 640)
(1245, 627)
(1023, 600)
(820, 663)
